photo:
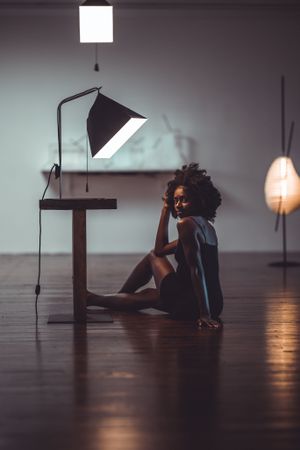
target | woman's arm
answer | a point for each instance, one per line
(162, 244)
(188, 236)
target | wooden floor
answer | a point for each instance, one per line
(146, 382)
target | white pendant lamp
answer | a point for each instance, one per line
(96, 21)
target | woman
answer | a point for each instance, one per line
(192, 291)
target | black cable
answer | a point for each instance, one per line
(96, 66)
(38, 286)
(87, 166)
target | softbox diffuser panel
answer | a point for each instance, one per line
(110, 125)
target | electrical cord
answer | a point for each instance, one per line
(87, 166)
(96, 66)
(38, 286)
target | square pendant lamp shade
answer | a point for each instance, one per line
(110, 125)
(96, 21)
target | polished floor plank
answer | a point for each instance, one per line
(146, 381)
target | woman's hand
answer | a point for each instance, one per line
(207, 322)
(164, 199)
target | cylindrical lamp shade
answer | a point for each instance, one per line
(282, 186)
(110, 125)
(96, 21)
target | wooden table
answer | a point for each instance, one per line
(79, 206)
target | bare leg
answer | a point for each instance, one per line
(141, 275)
(127, 299)
(150, 265)
(148, 298)
(161, 267)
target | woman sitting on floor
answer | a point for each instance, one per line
(192, 291)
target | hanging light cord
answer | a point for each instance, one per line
(38, 286)
(87, 166)
(96, 66)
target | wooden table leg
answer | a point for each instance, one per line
(79, 265)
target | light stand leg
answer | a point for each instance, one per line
(284, 263)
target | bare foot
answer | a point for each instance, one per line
(89, 297)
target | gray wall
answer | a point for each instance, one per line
(214, 74)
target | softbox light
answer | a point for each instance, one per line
(110, 125)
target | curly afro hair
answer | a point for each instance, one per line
(204, 196)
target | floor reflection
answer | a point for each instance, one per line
(179, 385)
(80, 364)
(154, 383)
(282, 349)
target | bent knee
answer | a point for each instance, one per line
(154, 255)
(151, 255)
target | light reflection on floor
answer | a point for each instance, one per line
(117, 433)
(282, 355)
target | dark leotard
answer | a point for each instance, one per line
(176, 289)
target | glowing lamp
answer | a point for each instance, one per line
(282, 186)
(110, 125)
(96, 21)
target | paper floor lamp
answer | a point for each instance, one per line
(282, 185)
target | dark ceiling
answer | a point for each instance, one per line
(157, 4)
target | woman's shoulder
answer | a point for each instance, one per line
(199, 227)
(193, 221)
(187, 227)
(187, 222)
(200, 220)
(208, 232)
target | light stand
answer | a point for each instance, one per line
(284, 262)
(59, 129)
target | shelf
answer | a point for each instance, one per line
(78, 203)
(115, 172)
